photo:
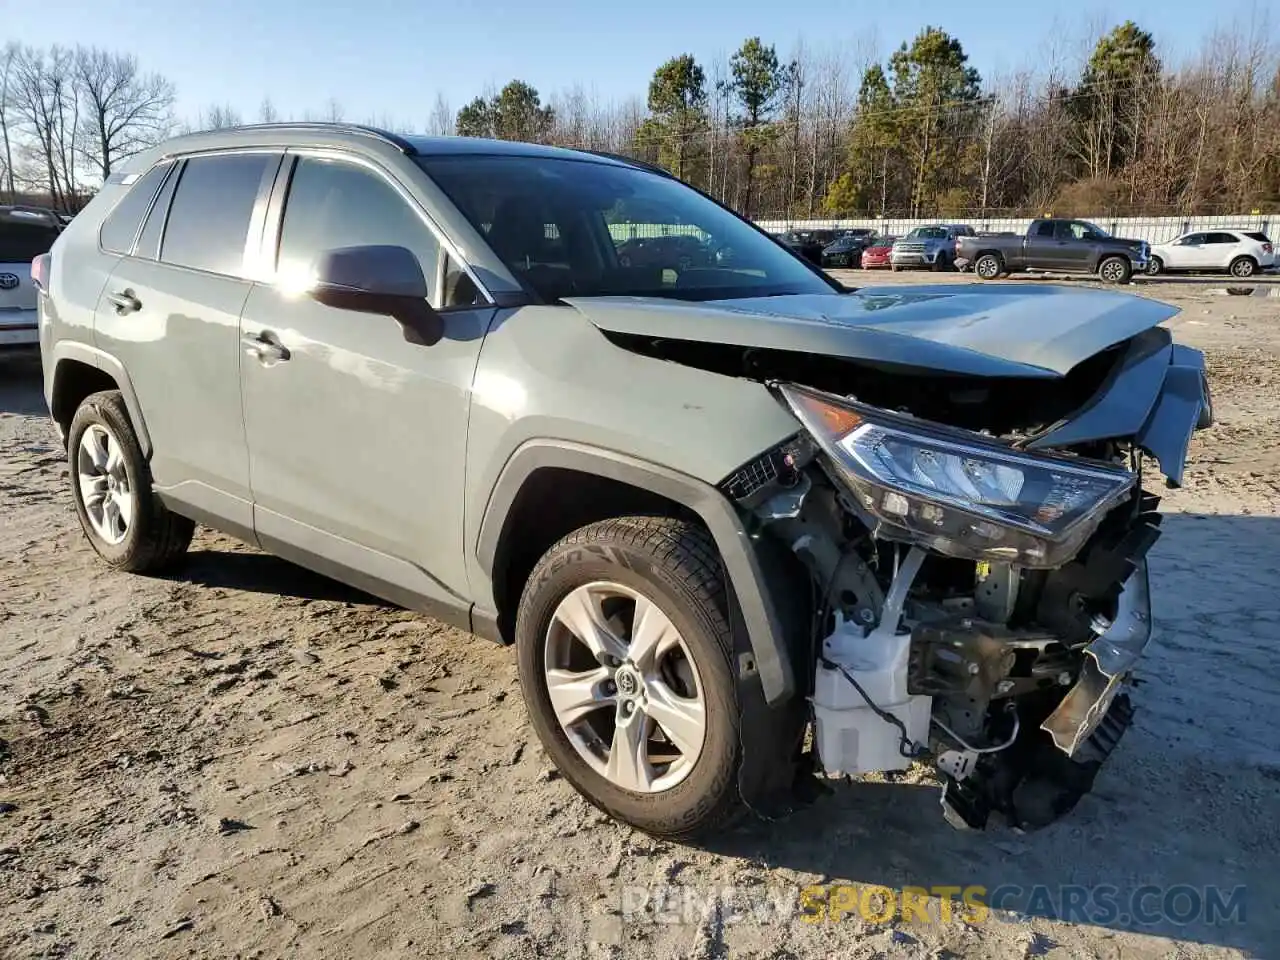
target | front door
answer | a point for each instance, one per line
(357, 437)
(170, 312)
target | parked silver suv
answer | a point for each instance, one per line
(712, 505)
(929, 246)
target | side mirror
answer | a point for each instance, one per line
(386, 280)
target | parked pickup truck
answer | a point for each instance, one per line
(1056, 246)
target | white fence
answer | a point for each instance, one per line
(1151, 229)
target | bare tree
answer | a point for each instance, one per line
(125, 110)
(267, 112)
(8, 59)
(219, 116)
(441, 122)
(45, 101)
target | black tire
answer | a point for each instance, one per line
(156, 538)
(1243, 267)
(988, 267)
(1155, 267)
(942, 263)
(1117, 270)
(675, 564)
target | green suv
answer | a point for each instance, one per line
(743, 525)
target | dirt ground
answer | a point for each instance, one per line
(249, 760)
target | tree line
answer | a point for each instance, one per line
(801, 135)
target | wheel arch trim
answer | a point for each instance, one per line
(742, 565)
(91, 356)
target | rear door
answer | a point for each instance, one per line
(170, 313)
(1221, 248)
(23, 237)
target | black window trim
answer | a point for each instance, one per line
(130, 181)
(268, 249)
(259, 205)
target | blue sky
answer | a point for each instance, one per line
(389, 58)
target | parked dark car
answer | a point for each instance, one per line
(809, 243)
(846, 250)
(679, 252)
(1058, 246)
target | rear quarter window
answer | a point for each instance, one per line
(1259, 236)
(120, 228)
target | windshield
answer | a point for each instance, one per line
(581, 228)
(928, 233)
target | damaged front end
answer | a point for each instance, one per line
(980, 597)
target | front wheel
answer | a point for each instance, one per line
(1155, 266)
(123, 519)
(942, 263)
(624, 644)
(1115, 270)
(1243, 267)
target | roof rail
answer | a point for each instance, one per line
(360, 129)
(631, 162)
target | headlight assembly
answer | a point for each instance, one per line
(956, 492)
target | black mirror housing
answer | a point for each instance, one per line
(385, 280)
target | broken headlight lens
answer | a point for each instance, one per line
(956, 492)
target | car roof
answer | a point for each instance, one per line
(351, 134)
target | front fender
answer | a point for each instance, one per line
(769, 654)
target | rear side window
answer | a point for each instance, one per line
(1223, 238)
(22, 242)
(1045, 229)
(209, 217)
(121, 226)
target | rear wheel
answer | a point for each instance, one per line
(988, 266)
(1115, 270)
(1243, 267)
(624, 646)
(123, 519)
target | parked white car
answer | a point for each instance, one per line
(1242, 253)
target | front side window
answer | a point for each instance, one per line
(209, 217)
(120, 228)
(333, 204)
(568, 227)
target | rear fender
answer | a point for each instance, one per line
(75, 351)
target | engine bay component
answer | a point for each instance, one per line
(865, 719)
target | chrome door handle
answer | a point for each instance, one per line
(264, 348)
(124, 301)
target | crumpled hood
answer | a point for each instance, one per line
(993, 330)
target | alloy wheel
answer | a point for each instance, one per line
(1113, 271)
(108, 497)
(624, 687)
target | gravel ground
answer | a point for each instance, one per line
(249, 760)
